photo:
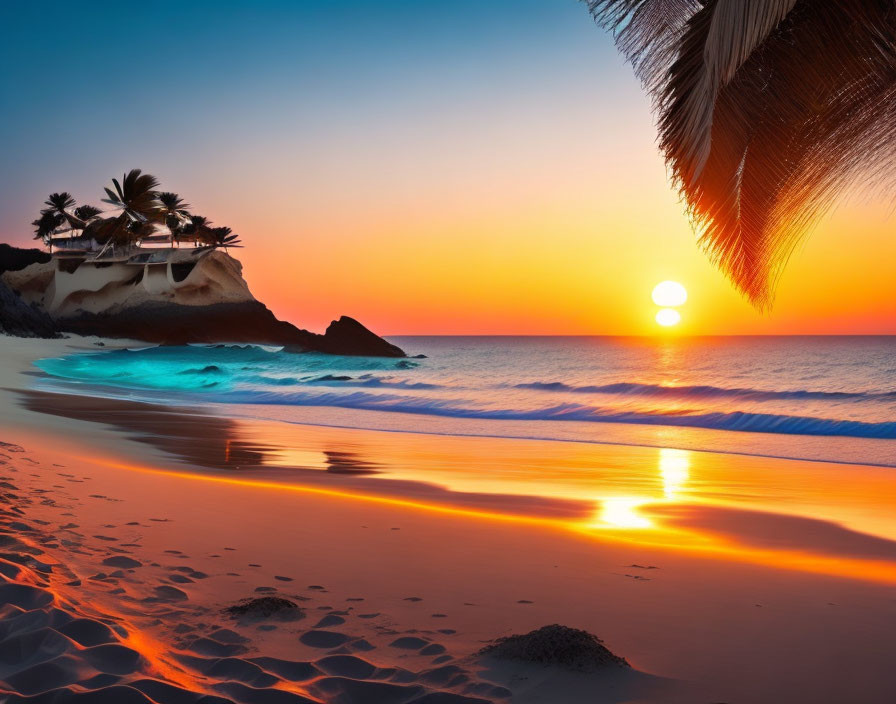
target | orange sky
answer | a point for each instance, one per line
(464, 167)
(538, 228)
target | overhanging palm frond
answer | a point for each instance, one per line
(767, 110)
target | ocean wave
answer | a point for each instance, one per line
(705, 391)
(716, 420)
(341, 381)
(237, 345)
(370, 381)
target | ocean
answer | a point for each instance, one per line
(818, 398)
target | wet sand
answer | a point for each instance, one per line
(406, 554)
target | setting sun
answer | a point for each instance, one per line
(669, 294)
(667, 317)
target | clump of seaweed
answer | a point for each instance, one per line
(571, 648)
(266, 607)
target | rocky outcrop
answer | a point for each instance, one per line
(19, 319)
(16, 316)
(250, 321)
(15, 258)
(192, 297)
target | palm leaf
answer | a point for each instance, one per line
(767, 111)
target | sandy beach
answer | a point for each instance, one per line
(130, 529)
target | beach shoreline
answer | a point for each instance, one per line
(702, 623)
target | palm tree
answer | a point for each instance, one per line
(86, 212)
(137, 199)
(224, 237)
(61, 203)
(48, 222)
(767, 110)
(173, 213)
(136, 196)
(141, 209)
(198, 229)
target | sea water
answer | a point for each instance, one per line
(821, 398)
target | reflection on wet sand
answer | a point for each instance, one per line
(741, 508)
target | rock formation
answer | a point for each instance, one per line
(17, 317)
(192, 296)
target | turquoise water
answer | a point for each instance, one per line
(562, 387)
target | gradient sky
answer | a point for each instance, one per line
(473, 166)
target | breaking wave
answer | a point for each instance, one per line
(661, 391)
(736, 420)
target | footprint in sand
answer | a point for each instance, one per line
(409, 643)
(225, 635)
(122, 561)
(323, 639)
(170, 593)
(329, 620)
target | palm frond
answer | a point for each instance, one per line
(173, 202)
(135, 195)
(48, 222)
(86, 212)
(224, 237)
(767, 110)
(61, 203)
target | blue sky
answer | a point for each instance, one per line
(93, 88)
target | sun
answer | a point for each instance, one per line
(669, 294)
(667, 317)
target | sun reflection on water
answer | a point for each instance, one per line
(622, 511)
(675, 468)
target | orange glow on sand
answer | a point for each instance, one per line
(626, 519)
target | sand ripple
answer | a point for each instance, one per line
(59, 647)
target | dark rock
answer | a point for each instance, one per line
(266, 607)
(16, 259)
(250, 321)
(348, 336)
(556, 645)
(19, 319)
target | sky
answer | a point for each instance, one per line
(463, 167)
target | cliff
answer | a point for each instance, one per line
(191, 297)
